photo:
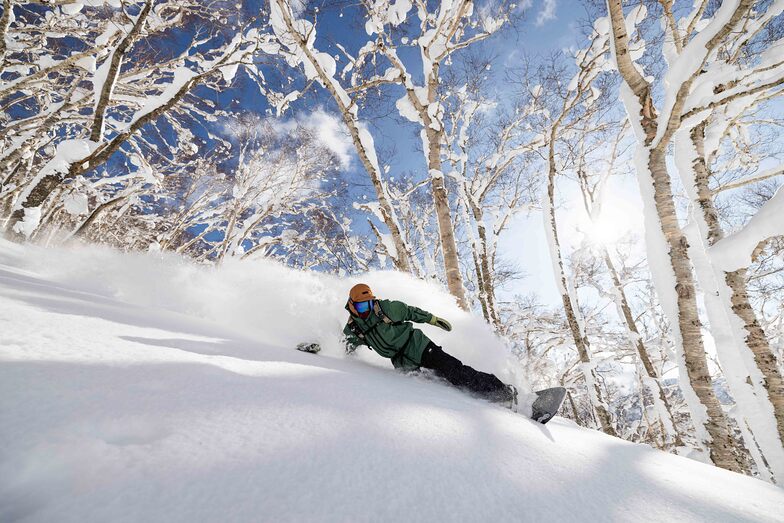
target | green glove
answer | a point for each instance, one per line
(440, 323)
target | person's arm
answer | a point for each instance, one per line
(399, 311)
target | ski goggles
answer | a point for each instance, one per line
(363, 306)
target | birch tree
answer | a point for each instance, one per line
(745, 71)
(279, 177)
(668, 249)
(592, 183)
(295, 38)
(252, 200)
(489, 163)
(565, 117)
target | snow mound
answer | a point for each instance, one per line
(263, 301)
(145, 388)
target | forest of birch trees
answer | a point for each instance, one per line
(220, 130)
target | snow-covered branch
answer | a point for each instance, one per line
(109, 76)
(735, 251)
(119, 111)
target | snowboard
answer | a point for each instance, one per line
(547, 403)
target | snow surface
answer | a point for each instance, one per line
(145, 388)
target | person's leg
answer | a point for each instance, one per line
(463, 376)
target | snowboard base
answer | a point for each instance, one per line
(547, 403)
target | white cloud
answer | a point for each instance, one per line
(547, 12)
(328, 129)
(332, 133)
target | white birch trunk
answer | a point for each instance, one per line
(573, 317)
(745, 381)
(667, 247)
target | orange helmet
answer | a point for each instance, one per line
(358, 293)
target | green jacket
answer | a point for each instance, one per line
(398, 340)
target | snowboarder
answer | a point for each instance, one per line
(385, 326)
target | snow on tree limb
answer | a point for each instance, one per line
(683, 71)
(667, 247)
(42, 73)
(298, 37)
(109, 77)
(735, 251)
(151, 106)
(5, 21)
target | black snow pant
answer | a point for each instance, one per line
(465, 377)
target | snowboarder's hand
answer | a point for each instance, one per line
(440, 323)
(350, 344)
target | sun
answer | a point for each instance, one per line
(612, 223)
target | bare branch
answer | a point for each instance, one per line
(764, 175)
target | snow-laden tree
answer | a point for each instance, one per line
(85, 84)
(489, 151)
(700, 48)
(745, 72)
(439, 30)
(249, 200)
(595, 165)
(275, 177)
(566, 108)
(296, 39)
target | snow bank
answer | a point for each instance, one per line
(112, 409)
(264, 300)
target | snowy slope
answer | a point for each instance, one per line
(138, 388)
